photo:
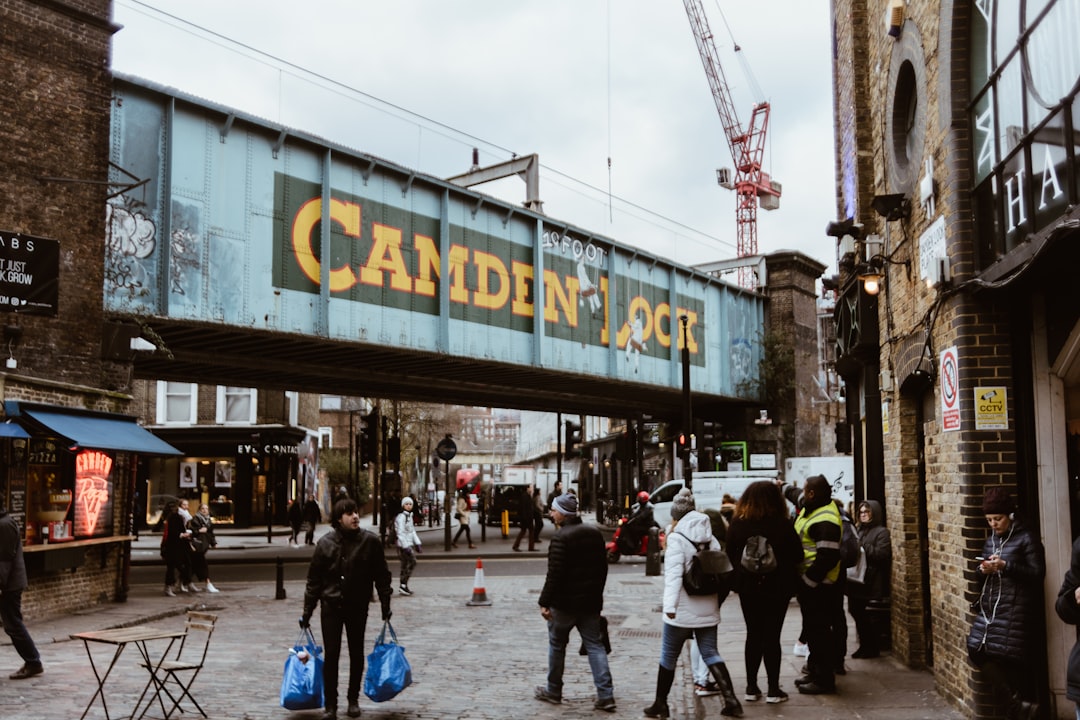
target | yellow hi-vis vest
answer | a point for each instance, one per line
(826, 513)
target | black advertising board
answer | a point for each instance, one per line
(29, 274)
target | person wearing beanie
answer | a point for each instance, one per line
(408, 543)
(573, 596)
(347, 564)
(1004, 640)
(689, 616)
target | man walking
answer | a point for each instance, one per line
(12, 584)
(573, 596)
(345, 564)
(526, 517)
(312, 516)
(820, 528)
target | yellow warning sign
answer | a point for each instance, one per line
(991, 408)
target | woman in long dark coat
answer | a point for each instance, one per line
(1003, 638)
(876, 546)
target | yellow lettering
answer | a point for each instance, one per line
(458, 291)
(427, 265)
(522, 303)
(386, 256)
(487, 265)
(663, 312)
(310, 213)
(554, 290)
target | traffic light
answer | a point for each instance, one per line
(843, 437)
(707, 444)
(393, 449)
(369, 438)
(572, 438)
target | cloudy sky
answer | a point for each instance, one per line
(422, 82)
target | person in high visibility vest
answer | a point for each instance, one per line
(820, 528)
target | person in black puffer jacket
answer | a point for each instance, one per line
(345, 564)
(876, 543)
(1068, 609)
(573, 596)
(1002, 638)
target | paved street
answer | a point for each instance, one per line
(468, 662)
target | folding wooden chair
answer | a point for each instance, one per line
(178, 674)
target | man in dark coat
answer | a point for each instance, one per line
(12, 584)
(346, 563)
(1068, 609)
(526, 518)
(312, 516)
(573, 596)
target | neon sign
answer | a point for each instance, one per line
(93, 491)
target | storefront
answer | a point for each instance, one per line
(67, 479)
(247, 475)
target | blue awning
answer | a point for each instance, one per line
(101, 433)
(11, 430)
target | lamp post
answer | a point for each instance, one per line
(688, 414)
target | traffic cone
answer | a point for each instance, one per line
(479, 594)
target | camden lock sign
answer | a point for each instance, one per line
(29, 274)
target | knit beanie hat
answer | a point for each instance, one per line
(406, 501)
(997, 501)
(682, 504)
(565, 504)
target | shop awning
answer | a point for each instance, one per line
(11, 430)
(98, 431)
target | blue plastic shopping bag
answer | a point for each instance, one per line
(388, 672)
(302, 683)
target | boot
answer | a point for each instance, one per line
(732, 707)
(659, 708)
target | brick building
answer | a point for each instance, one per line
(62, 485)
(957, 166)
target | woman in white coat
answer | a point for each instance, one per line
(689, 616)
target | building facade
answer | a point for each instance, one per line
(957, 225)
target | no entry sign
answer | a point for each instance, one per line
(950, 389)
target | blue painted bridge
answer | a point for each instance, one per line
(255, 255)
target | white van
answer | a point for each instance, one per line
(709, 490)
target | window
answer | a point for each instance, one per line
(326, 437)
(235, 405)
(177, 403)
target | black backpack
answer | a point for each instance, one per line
(709, 571)
(758, 556)
(849, 543)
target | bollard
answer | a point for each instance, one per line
(652, 552)
(505, 523)
(280, 595)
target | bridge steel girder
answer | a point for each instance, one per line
(264, 257)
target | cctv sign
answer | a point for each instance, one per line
(991, 408)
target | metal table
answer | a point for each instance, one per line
(120, 638)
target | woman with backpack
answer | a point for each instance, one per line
(766, 552)
(689, 615)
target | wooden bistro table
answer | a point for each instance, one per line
(140, 636)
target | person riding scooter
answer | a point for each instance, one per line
(637, 525)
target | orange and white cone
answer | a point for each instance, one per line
(479, 594)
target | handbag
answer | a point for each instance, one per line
(857, 572)
(302, 681)
(388, 672)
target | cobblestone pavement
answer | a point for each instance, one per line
(475, 663)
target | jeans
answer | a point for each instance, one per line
(11, 617)
(671, 644)
(818, 605)
(588, 624)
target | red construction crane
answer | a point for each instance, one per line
(747, 145)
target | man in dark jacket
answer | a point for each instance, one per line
(312, 516)
(1068, 609)
(12, 584)
(345, 564)
(573, 596)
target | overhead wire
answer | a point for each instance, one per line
(386, 107)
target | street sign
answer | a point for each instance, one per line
(446, 449)
(950, 389)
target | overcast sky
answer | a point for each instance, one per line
(422, 82)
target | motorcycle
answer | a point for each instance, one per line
(619, 546)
